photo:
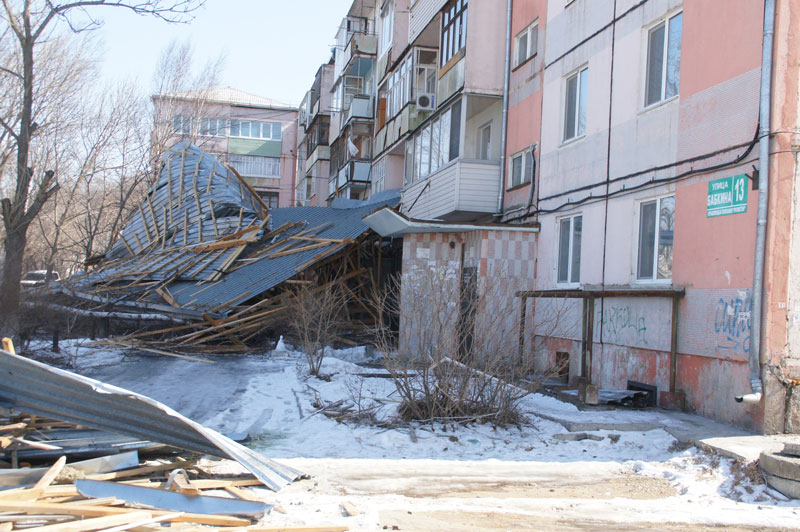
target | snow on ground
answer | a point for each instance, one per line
(271, 397)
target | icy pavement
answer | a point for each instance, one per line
(638, 476)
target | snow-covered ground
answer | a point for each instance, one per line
(422, 477)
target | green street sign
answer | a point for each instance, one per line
(727, 196)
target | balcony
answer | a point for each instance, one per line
(360, 108)
(464, 190)
(355, 173)
(320, 153)
(360, 44)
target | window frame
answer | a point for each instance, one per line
(577, 133)
(270, 197)
(453, 31)
(664, 21)
(526, 168)
(479, 148)
(527, 33)
(444, 152)
(244, 164)
(654, 279)
(386, 38)
(235, 128)
(570, 250)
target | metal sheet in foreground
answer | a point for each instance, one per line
(171, 500)
(37, 388)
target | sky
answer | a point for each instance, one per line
(272, 48)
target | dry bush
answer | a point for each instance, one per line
(315, 318)
(456, 356)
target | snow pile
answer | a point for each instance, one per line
(271, 397)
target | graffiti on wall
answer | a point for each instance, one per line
(732, 321)
(621, 324)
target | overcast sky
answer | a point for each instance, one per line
(272, 48)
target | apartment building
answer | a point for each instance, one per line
(645, 182)
(255, 135)
(602, 155)
(352, 105)
(313, 148)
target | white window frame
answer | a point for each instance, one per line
(479, 140)
(569, 282)
(666, 21)
(526, 175)
(437, 156)
(256, 166)
(576, 133)
(657, 234)
(378, 181)
(531, 37)
(387, 28)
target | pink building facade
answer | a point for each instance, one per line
(255, 135)
(646, 180)
(624, 135)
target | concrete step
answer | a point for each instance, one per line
(782, 472)
(792, 449)
(780, 465)
(790, 488)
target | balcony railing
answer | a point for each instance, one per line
(463, 190)
(359, 44)
(320, 153)
(360, 107)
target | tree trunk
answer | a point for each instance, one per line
(10, 287)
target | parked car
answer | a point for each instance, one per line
(37, 278)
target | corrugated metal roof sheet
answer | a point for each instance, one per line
(197, 202)
(260, 275)
(37, 388)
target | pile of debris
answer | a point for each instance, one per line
(51, 414)
(205, 254)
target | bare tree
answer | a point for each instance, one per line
(31, 24)
(316, 317)
(106, 148)
(182, 105)
(457, 355)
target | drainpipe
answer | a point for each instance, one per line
(504, 122)
(756, 384)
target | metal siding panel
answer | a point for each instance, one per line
(263, 148)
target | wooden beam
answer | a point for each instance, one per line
(101, 511)
(97, 523)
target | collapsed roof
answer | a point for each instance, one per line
(202, 242)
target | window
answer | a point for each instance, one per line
(569, 249)
(656, 226)
(255, 166)
(454, 29)
(425, 71)
(575, 109)
(485, 142)
(182, 124)
(254, 129)
(387, 28)
(663, 60)
(309, 187)
(526, 44)
(270, 198)
(437, 143)
(378, 176)
(408, 168)
(521, 168)
(397, 88)
(352, 85)
(213, 127)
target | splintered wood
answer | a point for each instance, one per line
(181, 260)
(57, 500)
